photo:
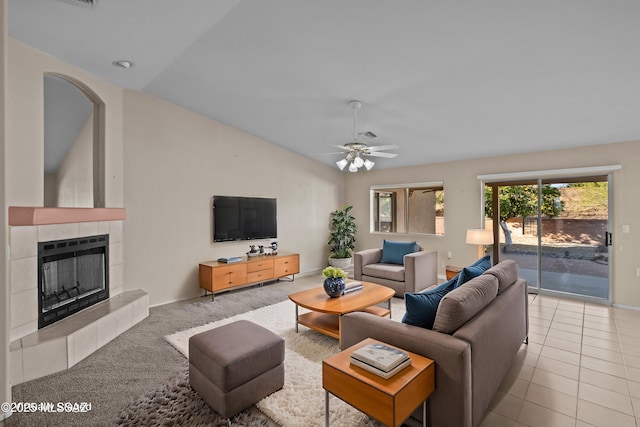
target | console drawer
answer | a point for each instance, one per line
(260, 276)
(287, 265)
(259, 265)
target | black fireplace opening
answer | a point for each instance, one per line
(73, 274)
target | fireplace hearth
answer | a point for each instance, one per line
(73, 274)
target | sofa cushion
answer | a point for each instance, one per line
(385, 271)
(458, 306)
(422, 306)
(394, 252)
(506, 272)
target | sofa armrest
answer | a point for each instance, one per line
(450, 403)
(366, 257)
(420, 270)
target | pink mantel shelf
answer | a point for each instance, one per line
(25, 215)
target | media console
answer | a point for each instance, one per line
(219, 276)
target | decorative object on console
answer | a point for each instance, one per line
(230, 259)
(342, 237)
(357, 150)
(254, 251)
(480, 237)
(334, 281)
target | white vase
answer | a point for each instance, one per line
(343, 263)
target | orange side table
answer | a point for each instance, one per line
(389, 401)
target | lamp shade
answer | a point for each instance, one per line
(342, 163)
(368, 164)
(479, 237)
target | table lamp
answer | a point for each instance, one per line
(479, 237)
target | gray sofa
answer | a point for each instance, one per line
(419, 272)
(472, 360)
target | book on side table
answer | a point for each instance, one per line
(380, 359)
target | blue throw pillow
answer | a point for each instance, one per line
(394, 252)
(422, 307)
(484, 261)
(474, 270)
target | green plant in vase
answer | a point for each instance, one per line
(334, 281)
(342, 227)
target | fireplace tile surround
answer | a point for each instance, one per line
(77, 336)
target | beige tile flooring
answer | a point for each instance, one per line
(581, 368)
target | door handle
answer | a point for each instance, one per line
(607, 239)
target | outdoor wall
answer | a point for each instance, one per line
(176, 161)
(463, 209)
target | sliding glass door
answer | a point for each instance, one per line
(557, 232)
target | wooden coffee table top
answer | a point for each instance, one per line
(317, 300)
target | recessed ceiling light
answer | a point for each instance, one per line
(123, 63)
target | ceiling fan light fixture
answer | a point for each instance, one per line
(368, 164)
(357, 151)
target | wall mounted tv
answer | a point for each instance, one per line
(244, 218)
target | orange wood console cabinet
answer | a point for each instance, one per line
(219, 276)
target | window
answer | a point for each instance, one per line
(408, 208)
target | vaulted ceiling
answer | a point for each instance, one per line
(444, 80)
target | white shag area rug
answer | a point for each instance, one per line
(301, 402)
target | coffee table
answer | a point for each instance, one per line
(389, 401)
(326, 312)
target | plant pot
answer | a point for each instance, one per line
(334, 286)
(343, 263)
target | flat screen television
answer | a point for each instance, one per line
(244, 218)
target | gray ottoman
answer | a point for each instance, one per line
(236, 365)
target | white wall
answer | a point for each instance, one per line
(175, 161)
(74, 180)
(463, 206)
(25, 125)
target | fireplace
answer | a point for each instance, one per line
(73, 274)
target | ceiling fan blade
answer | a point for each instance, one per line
(383, 147)
(381, 154)
(342, 147)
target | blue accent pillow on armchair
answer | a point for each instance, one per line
(422, 306)
(394, 252)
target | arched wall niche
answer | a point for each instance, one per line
(74, 144)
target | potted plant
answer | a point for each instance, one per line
(342, 228)
(334, 281)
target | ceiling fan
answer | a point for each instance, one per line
(357, 151)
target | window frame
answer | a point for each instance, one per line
(406, 188)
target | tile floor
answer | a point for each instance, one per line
(581, 368)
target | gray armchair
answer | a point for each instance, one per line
(419, 272)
